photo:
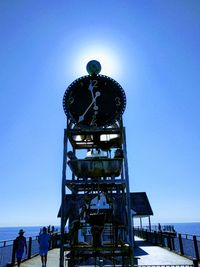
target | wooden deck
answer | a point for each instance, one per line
(145, 254)
(52, 260)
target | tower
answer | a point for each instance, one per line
(95, 170)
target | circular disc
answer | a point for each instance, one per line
(93, 67)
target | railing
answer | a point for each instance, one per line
(186, 245)
(183, 244)
(7, 253)
(167, 265)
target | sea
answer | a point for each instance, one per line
(187, 228)
(191, 228)
(10, 233)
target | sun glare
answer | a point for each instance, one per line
(109, 59)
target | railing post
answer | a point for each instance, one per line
(181, 244)
(142, 232)
(13, 253)
(146, 235)
(158, 238)
(173, 245)
(151, 236)
(155, 238)
(169, 244)
(29, 247)
(53, 241)
(162, 239)
(195, 263)
(196, 247)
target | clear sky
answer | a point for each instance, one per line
(151, 47)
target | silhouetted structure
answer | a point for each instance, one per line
(98, 210)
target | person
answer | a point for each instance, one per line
(20, 244)
(43, 240)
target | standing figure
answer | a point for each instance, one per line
(43, 240)
(19, 245)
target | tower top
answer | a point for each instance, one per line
(93, 67)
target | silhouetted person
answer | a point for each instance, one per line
(19, 245)
(43, 240)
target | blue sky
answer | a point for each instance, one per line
(151, 47)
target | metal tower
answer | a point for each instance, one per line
(95, 170)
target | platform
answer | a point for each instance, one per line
(145, 254)
(52, 260)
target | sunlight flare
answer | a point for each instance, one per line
(109, 59)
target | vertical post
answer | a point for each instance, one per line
(195, 263)
(173, 245)
(127, 189)
(146, 235)
(62, 223)
(155, 238)
(169, 243)
(133, 229)
(181, 244)
(161, 239)
(196, 247)
(29, 247)
(149, 224)
(13, 253)
(140, 222)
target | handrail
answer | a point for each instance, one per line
(10, 241)
(155, 228)
(166, 265)
(154, 265)
(175, 242)
(7, 253)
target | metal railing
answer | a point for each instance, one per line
(183, 244)
(167, 265)
(163, 265)
(186, 245)
(7, 253)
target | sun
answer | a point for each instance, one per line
(109, 58)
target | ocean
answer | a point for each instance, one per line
(10, 233)
(192, 228)
(187, 228)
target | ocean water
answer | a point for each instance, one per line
(192, 228)
(188, 228)
(10, 233)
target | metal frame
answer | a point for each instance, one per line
(113, 184)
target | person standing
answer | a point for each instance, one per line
(43, 240)
(19, 245)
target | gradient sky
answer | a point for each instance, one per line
(151, 47)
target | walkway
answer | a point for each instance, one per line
(148, 254)
(52, 260)
(145, 253)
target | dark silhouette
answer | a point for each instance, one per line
(43, 240)
(19, 245)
